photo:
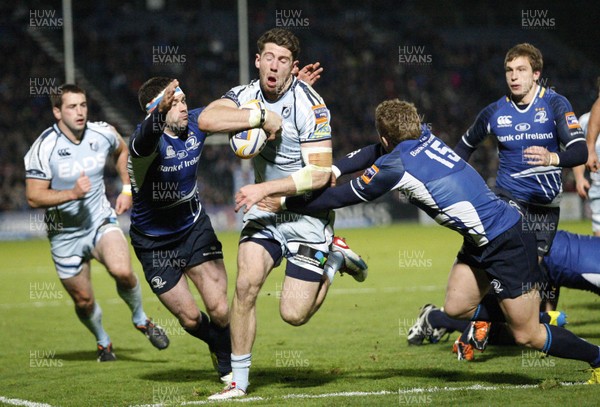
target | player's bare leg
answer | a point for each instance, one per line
(466, 288)
(89, 312)
(301, 299)
(254, 265)
(112, 251)
(523, 319)
(210, 278)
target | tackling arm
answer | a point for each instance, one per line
(314, 175)
(358, 160)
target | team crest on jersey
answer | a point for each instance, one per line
(286, 111)
(321, 114)
(572, 121)
(504, 121)
(94, 145)
(170, 152)
(540, 117)
(191, 143)
(369, 174)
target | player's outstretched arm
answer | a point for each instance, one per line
(40, 195)
(315, 175)
(358, 160)
(223, 116)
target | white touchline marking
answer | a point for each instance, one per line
(475, 387)
(19, 402)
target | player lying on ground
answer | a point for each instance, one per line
(496, 254)
(573, 262)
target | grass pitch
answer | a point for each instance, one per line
(353, 351)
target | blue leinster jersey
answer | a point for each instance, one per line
(163, 183)
(573, 261)
(548, 121)
(435, 179)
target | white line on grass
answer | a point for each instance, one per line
(19, 402)
(476, 387)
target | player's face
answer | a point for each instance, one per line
(521, 79)
(72, 115)
(275, 66)
(177, 117)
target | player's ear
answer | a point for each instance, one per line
(57, 114)
(536, 75)
(257, 61)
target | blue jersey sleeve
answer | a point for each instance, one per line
(372, 184)
(144, 140)
(359, 159)
(478, 131)
(569, 132)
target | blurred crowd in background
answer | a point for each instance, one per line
(369, 52)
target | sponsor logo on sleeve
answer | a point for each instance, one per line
(369, 174)
(572, 121)
(321, 114)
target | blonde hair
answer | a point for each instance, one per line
(397, 120)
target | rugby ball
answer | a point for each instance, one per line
(249, 143)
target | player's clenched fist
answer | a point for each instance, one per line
(82, 186)
(272, 125)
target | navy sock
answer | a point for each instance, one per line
(489, 310)
(202, 331)
(565, 344)
(439, 319)
(220, 344)
(464, 338)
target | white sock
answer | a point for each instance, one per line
(240, 366)
(94, 324)
(133, 299)
(333, 264)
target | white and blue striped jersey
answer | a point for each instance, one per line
(54, 157)
(305, 119)
(432, 177)
(547, 121)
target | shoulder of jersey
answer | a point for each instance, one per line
(99, 126)
(305, 89)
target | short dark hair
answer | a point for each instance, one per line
(527, 50)
(56, 97)
(282, 37)
(151, 88)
